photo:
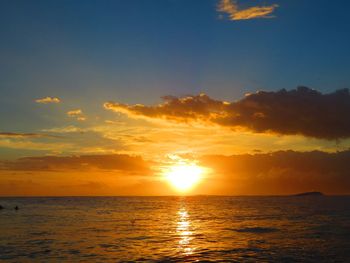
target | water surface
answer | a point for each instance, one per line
(178, 229)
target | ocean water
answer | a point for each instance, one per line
(175, 229)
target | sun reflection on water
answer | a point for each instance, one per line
(183, 229)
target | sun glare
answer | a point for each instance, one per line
(184, 176)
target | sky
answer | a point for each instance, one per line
(107, 97)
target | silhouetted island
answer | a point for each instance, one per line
(310, 194)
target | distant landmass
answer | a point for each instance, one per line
(309, 194)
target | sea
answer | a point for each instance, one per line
(175, 229)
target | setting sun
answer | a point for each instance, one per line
(184, 176)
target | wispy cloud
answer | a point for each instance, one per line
(47, 100)
(230, 8)
(24, 135)
(66, 129)
(78, 114)
(302, 111)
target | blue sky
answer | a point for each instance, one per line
(89, 52)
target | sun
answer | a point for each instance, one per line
(184, 176)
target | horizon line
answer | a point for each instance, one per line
(200, 195)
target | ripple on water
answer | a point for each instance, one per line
(257, 230)
(191, 229)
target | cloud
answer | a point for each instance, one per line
(66, 129)
(283, 172)
(65, 140)
(17, 135)
(184, 109)
(74, 113)
(230, 8)
(302, 111)
(78, 114)
(121, 162)
(47, 100)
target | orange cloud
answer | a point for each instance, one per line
(121, 162)
(47, 100)
(230, 8)
(282, 172)
(189, 108)
(302, 111)
(78, 114)
(66, 129)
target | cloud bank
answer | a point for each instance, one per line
(121, 162)
(47, 100)
(230, 8)
(302, 111)
(283, 172)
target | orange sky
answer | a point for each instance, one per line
(119, 97)
(132, 153)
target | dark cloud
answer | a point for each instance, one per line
(302, 111)
(284, 172)
(24, 135)
(122, 162)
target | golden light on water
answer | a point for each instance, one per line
(183, 229)
(184, 176)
